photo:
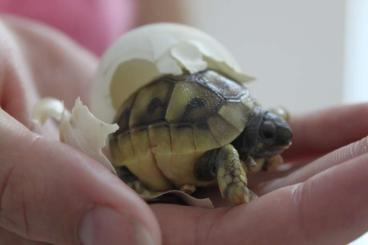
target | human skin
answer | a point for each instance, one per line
(49, 192)
(93, 24)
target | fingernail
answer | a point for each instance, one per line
(106, 226)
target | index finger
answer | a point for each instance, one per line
(329, 208)
(323, 131)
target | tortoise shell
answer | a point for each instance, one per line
(165, 126)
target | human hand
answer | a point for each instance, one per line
(320, 200)
(49, 192)
(47, 187)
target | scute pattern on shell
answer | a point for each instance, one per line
(178, 117)
(203, 102)
(180, 100)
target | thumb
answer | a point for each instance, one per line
(49, 192)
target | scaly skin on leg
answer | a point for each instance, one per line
(231, 176)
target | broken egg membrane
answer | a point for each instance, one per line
(151, 51)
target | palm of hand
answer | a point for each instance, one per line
(317, 201)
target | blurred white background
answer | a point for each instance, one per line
(356, 55)
(294, 48)
(306, 55)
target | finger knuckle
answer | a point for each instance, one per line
(299, 199)
(13, 208)
(15, 191)
(207, 226)
(360, 147)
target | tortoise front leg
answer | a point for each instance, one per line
(231, 176)
(224, 163)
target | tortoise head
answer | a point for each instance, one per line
(265, 135)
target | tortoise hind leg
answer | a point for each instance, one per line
(133, 182)
(225, 165)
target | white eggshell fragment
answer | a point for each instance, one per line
(80, 128)
(87, 133)
(46, 108)
(148, 52)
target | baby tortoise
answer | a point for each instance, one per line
(180, 132)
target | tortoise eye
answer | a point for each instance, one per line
(268, 130)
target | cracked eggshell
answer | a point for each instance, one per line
(149, 52)
(78, 128)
